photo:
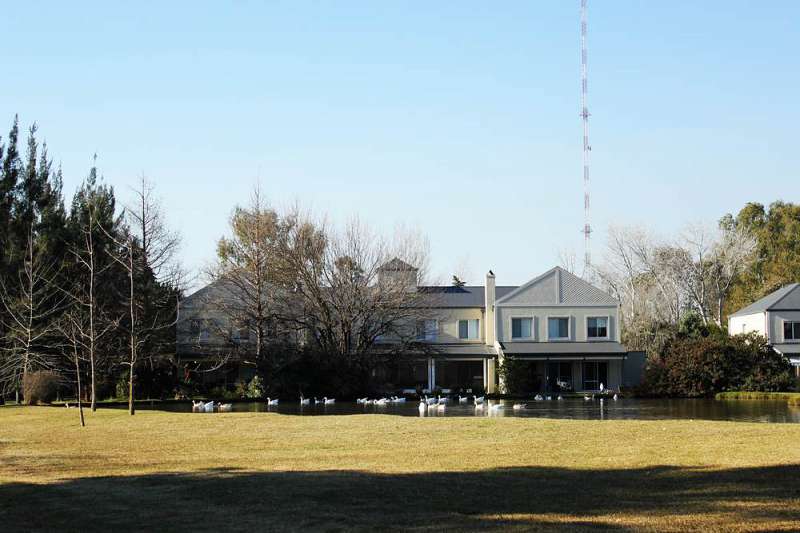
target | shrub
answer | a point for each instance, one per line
(702, 366)
(518, 376)
(40, 387)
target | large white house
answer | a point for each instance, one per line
(776, 316)
(565, 328)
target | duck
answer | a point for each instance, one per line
(329, 401)
(225, 407)
(478, 400)
(305, 401)
(518, 406)
(270, 401)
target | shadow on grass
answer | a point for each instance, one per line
(346, 500)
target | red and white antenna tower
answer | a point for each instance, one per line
(587, 228)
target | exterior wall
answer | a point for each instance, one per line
(776, 319)
(448, 325)
(747, 324)
(577, 315)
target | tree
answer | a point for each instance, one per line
(457, 282)
(92, 219)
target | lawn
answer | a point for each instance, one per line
(256, 471)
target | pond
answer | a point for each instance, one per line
(573, 408)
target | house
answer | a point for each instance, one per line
(566, 330)
(776, 316)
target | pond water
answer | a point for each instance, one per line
(573, 408)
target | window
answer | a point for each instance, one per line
(426, 330)
(199, 330)
(521, 328)
(558, 328)
(597, 327)
(468, 329)
(791, 331)
(595, 373)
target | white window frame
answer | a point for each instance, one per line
(468, 320)
(425, 335)
(511, 327)
(783, 330)
(569, 328)
(608, 328)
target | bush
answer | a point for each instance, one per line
(703, 366)
(40, 387)
(518, 376)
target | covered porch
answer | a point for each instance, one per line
(571, 367)
(465, 369)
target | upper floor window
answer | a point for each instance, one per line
(521, 328)
(597, 327)
(426, 330)
(468, 329)
(791, 331)
(558, 327)
(199, 330)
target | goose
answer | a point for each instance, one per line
(316, 401)
(479, 400)
(615, 396)
(586, 398)
(444, 400)
(225, 407)
(559, 397)
(441, 407)
(462, 399)
(422, 407)
(197, 406)
(430, 401)
(329, 401)
(398, 400)
(305, 401)
(270, 401)
(208, 407)
(496, 407)
(538, 398)
(479, 406)
(518, 406)
(382, 401)
(548, 398)
(367, 401)
(602, 388)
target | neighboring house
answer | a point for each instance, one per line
(567, 328)
(776, 317)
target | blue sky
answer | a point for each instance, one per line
(460, 118)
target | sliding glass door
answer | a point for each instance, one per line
(595, 373)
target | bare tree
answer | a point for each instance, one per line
(29, 317)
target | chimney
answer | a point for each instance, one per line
(489, 315)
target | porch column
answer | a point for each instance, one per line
(431, 374)
(485, 375)
(490, 379)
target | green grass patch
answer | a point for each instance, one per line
(258, 471)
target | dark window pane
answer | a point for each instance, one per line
(463, 329)
(563, 327)
(788, 334)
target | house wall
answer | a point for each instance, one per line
(577, 315)
(776, 319)
(448, 324)
(747, 324)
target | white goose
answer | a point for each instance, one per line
(305, 401)
(538, 398)
(270, 401)
(586, 398)
(615, 396)
(398, 400)
(462, 399)
(479, 400)
(208, 407)
(496, 407)
(430, 401)
(317, 401)
(422, 407)
(559, 397)
(225, 407)
(197, 406)
(329, 401)
(444, 400)
(518, 406)
(479, 406)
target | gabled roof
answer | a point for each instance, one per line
(464, 296)
(396, 265)
(787, 297)
(557, 287)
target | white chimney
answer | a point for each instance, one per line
(489, 315)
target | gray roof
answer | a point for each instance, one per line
(788, 349)
(557, 287)
(563, 348)
(466, 296)
(787, 297)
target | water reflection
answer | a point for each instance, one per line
(577, 408)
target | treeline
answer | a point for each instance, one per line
(88, 293)
(676, 293)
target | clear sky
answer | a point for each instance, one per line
(460, 118)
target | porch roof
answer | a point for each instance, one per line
(545, 349)
(788, 349)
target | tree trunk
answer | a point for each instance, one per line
(131, 407)
(93, 396)
(80, 403)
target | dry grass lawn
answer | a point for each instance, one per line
(258, 472)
